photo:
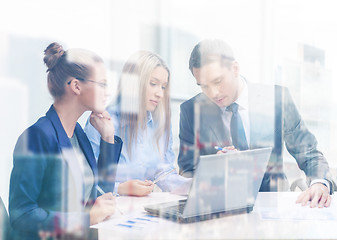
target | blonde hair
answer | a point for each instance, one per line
(134, 81)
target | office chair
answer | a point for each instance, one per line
(4, 222)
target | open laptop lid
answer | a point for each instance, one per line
(224, 182)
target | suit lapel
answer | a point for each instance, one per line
(87, 149)
(69, 155)
(212, 128)
(261, 115)
(60, 132)
(64, 140)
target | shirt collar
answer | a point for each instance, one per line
(242, 100)
(149, 117)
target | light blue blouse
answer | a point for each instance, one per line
(146, 162)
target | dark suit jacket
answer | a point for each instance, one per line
(44, 180)
(274, 120)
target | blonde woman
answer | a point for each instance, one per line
(141, 116)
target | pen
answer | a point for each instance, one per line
(163, 176)
(98, 188)
(224, 149)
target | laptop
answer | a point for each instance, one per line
(223, 184)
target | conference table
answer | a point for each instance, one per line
(275, 216)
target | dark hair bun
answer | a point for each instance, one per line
(52, 55)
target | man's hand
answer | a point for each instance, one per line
(318, 194)
(227, 149)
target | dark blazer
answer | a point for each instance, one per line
(274, 120)
(45, 178)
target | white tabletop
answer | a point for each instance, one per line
(275, 216)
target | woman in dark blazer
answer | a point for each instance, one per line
(55, 174)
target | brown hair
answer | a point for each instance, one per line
(211, 50)
(62, 65)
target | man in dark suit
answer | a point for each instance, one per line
(231, 111)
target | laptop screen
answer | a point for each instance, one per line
(226, 181)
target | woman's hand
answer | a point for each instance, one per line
(103, 124)
(135, 188)
(103, 208)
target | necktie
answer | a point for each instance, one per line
(237, 130)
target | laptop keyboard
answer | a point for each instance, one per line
(176, 209)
